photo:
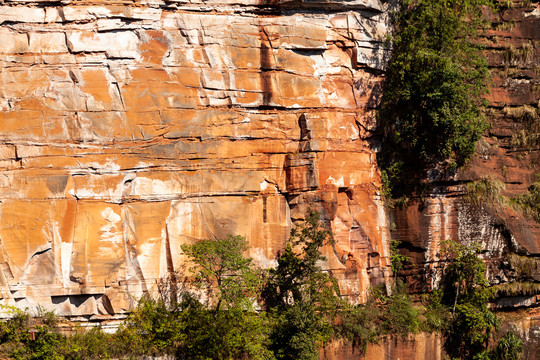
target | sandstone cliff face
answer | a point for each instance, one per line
(130, 128)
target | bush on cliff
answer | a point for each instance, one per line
(472, 325)
(431, 112)
(300, 296)
(301, 311)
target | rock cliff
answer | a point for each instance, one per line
(128, 128)
(504, 167)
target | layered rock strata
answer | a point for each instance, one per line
(130, 128)
(507, 235)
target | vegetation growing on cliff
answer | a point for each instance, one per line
(288, 312)
(472, 324)
(529, 202)
(528, 118)
(297, 312)
(397, 259)
(301, 297)
(432, 108)
(488, 191)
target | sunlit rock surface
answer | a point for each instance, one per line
(128, 129)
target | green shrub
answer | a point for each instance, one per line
(93, 343)
(436, 315)
(398, 316)
(16, 328)
(529, 202)
(472, 325)
(299, 332)
(396, 259)
(509, 347)
(485, 191)
(359, 325)
(301, 297)
(152, 328)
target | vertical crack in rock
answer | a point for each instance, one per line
(5, 273)
(305, 134)
(130, 247)
(266, 54)
(172, 281)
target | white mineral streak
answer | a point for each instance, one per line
(66, 249)
(439, 231)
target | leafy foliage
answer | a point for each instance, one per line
(359, 325)
(297, 277)
(396, 315)
(299, 332)
(231, 330)
(383, 314)
(436, 314)
(302, 297)
(26, 338)
(303, 311)
(465, 272)
(396, 259)
(431, 110)
(221, 262)
(152, 327)
(228, 334)
(509, 347)
(472, 324)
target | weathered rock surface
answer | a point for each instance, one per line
(513, 55)
(127, 130)
(414, 347)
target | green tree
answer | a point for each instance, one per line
(153, 328)
(228, 334)
(472, 324)
(299, 331)
(432, 107)
(220, 266)
(383, 314)
(359, 324)
(399, 317)
(230, 329)
(302, 298)
(298, 277)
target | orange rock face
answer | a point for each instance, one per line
(128, 130)
(419, 346)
